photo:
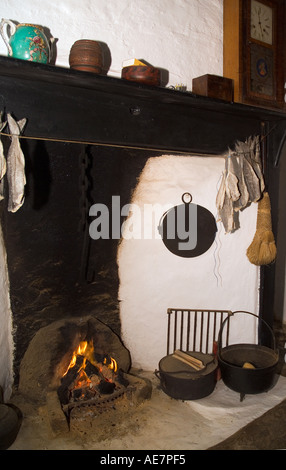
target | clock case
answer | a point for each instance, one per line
(242, 53)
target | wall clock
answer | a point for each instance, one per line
(254, 50)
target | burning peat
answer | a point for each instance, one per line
(89, 376)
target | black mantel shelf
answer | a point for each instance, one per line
(60, 103)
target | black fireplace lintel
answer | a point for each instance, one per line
(71, 105)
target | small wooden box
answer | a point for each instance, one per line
(213, 86)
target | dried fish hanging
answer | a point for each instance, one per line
(15, 166)
(3, 164)
(242, 182)
(228, 193)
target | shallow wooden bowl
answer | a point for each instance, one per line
(143, 74)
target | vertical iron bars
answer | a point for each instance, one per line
(194, 330)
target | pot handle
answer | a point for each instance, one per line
(249, 313)
(4, 34)
(157, 373)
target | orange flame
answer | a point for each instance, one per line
(86, 349)
(82, 380)
(80, 351)
(112, 365)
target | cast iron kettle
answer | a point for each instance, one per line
(187, 230)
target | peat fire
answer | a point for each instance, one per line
(84, 379)
(89, 375)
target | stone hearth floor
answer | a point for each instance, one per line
(220, 421)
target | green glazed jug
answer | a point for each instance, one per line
(26, 41)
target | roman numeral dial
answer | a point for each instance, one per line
(261, 26)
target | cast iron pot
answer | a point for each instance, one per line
(181, 381)
(10, 422)
(232, 358)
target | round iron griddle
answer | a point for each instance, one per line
(197, 221)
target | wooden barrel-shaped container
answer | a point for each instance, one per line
(86, 55)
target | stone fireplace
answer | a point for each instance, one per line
(79, 370)
(105, 291)
(59, 273)
(127, 283)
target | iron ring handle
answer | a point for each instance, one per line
(187, 195)
(250, 313)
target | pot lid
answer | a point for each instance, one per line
(170, 365)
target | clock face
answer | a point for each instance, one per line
(261, 26)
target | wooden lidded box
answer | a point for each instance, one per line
(213, 86)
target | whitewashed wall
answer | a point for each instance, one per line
(6, 343)
(152, 279)
(181, 36)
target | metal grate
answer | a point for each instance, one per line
(195, 330)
